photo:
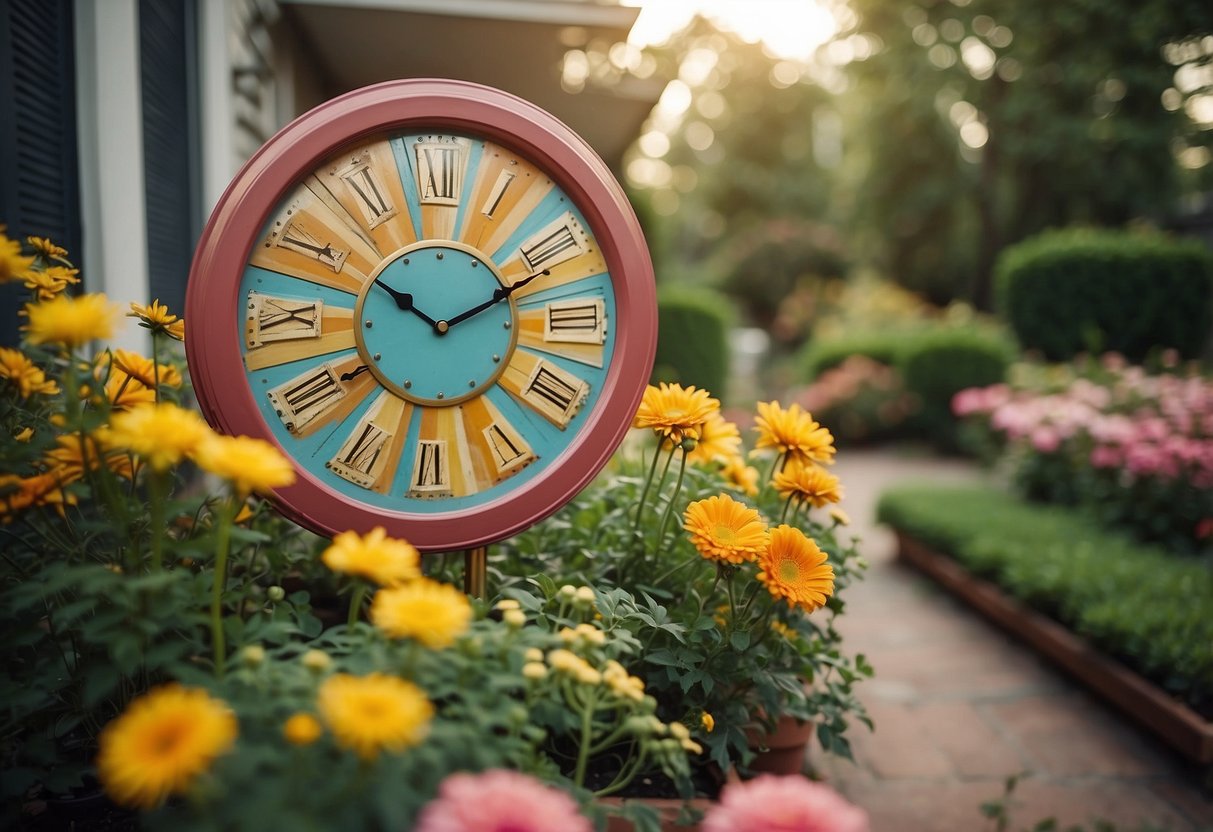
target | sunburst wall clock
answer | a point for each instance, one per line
(436, 300)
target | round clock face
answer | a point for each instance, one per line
(442, 311)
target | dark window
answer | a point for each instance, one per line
(168, 72)
(39, 186)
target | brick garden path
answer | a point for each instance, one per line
(959, 706)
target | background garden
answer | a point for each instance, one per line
(973, 233)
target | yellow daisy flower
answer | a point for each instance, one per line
(46, 248)
(725, 530)
(808, 483)
(250, 465)
(162, 742)
(743, 477)
(13, 266)
(707, 721)
(68, 458)
(70, 321)
(377, 557)
(51, 281)
(719, 441)
(430, 612)
(794, 433)
(160, 434)
(157, 318)
(19, 493)
(124, 392)
(674, 411)
(840, 517)
(139, 367)
(27, 376)
(795, 569)
(375, 713)
(302, 729)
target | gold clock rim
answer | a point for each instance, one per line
(367, 357)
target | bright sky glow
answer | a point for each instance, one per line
(788, 28)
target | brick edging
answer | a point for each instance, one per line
(1172, 721)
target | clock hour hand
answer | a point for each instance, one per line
(499, 294)
(405, 302)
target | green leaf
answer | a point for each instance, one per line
(740, 640)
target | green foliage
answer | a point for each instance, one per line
(714, 641)
(489, 715)
(118, 574)
(692, 338)
(937, 365)
(1077, 290)
(1056, 126)
(769, 267)
(1104, 586)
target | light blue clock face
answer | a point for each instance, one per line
(444, 304)
(425, 322)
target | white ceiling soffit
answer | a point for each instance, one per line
(514, 45)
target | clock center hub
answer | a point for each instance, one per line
(432, 325)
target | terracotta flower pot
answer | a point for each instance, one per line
(783, 750)
(668, 809)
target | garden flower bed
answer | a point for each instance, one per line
(1141, 607)
(164, 648)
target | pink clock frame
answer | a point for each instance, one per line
(212, 299)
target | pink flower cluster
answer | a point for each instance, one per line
(500, 801)
(1147, 426)
(783, 804)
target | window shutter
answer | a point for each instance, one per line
(168, 75)
(39, 181)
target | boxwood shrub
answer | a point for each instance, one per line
(1136, 603)
(692, 338)
(939, 363)
(823, 354)
(1082, 290)
(934, 363)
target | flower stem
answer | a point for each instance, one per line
(356, 604)
(583, 749)
(657, 581)
(787, 504)
(155, 367)
(645, 492)
(156, 508)
(223, 538)
(669, 507)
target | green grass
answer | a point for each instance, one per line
(1137, 603)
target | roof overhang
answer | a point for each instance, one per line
(514, 45)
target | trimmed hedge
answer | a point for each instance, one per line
(1080, 290)
(824, 354)
(692, 338)
(940, 363)
(934, 364)
(1137, 603)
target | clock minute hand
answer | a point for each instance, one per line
(499, 294)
